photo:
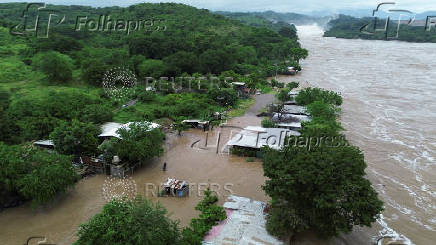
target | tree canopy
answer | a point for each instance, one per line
(139, 221)
(139, 143)
(130, 222)
(75, 137)
(194, 40)
(309, 95)
(323, 189)
(224, 96)
(56, 66)
(34, 174)
(283, 95)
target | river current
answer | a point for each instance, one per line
(389, 111)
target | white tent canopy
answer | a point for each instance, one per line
(110, 129)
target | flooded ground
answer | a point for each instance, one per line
(389, 111)
(199, 165)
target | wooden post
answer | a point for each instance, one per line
(218, 142)
(207, 136)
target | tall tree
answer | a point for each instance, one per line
(283, 95)
(299, 53)
(6, 124)
(224, 96)
(56, 66)
(288, 31)
(75, 137)
(152, 68)
(323, 189)
(130, 222)
(34, 174)
(182, 61)
(138, 143)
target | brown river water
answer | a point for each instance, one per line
(389, 107)
(389, 111)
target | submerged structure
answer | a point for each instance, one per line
(109, 129)
(195, 123)
(245, 224)
(254, 137)
(174, 187)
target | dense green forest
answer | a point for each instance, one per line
(349, 27)
(51, 88)
(69, 65)
(252, 19)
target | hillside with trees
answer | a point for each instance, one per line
(52, 88)
(68, 67)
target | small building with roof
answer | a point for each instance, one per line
(241, 88)
(109, 129)
(245, 224)
(294, 109)
(254, 137)
(47, 144)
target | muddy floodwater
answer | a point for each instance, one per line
(389, 111)
(187, 157)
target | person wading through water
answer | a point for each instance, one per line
(164, 166)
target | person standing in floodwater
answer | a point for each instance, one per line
(164, 166)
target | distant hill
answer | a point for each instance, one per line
(360, 13)
(425, 14)
(274, 17)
